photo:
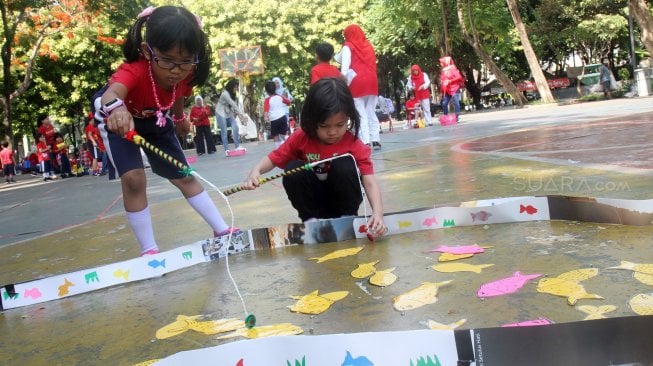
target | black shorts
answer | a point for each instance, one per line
(125, 155)
(279, 126)
(9, 169)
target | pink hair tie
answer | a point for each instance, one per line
(146, 12)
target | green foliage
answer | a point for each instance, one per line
(426, 362)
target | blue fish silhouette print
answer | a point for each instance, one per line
(358, 361)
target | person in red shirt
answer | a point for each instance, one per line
(93, 141)
(413, 110)
(44, 152)
(324, 69)
(329, 125)
(166, 55)
(8, 163)
(60, 150)
(450, 82)
(199, 117)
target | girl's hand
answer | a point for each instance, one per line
(120, 121)
(376, 225)
(252, 180)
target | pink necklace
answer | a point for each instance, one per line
(160, 119)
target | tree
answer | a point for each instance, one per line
(640, 11)
(533, 62)
(472, 38)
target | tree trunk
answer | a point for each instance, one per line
(472, 39)
(639, 10)
(531, 57)
(445, 27)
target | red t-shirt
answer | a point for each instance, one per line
(199, 116)
(300, 147)
(43, 152)
(410, 105)
(93, 131)
(140, 100)
(6, 156)
(48, 131)
(324, 70)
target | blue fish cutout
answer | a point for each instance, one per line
(358, 361)
(155, 263)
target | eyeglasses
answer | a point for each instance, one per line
(169, 65)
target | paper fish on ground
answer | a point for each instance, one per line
(460, 267)
(506, 285)
(642, 304)
(119, 273)
(282, 329)
(432, 324)
(315, 304)
(384, 278)
(480, 216)
(364, 270)
(424, 294)
(567, 285)
(463, 249)
(210, 327)
(596, 312)
(642, 268)
(644, 278)
(448, 257)
(528, 209)
(338, 254)
(529, 323)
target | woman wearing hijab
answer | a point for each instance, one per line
(450, 82)
(358, 65)
(284, 92)
(419, 83)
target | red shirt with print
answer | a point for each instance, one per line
(44, 152)
(300, 147)
(140, 100)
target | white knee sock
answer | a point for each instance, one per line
(206, 208)
(141, 224)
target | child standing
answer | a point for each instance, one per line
(324, 69)
(8, 163)
(146, 94)
(274, 112)
(44, 151)
(329, 126)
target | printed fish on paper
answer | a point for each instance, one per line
(462, 249)
(596, 312)
(642, 304)
(432, 324)
(567, 285)
(528, 209)
(356, 361)
(506, 285)
(65, 288)
(460, 267)
(364, 270)
(424, 294)
(383, 278)
(430, 221)
(265, 331)
(341, 253)
(314, 304)
(119, 273)
(480, 215)
(529, 323)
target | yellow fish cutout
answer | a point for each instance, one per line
(383, 278)
(148, 362)
(265, 331)
(314, 304)
(642, 304)
(567, 285)
(185, 323)
(432, 324)
(424, 294)
(364, 270)
(338, 254)
(641, 268)
(119, 273)
(448, 257)
(460, 267)
(404, 224)
(644, 278)
(596, 312)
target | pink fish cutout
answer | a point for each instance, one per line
(464, 249)
(506, 285)
(529, 323)
(34, 293)
(430, 221)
